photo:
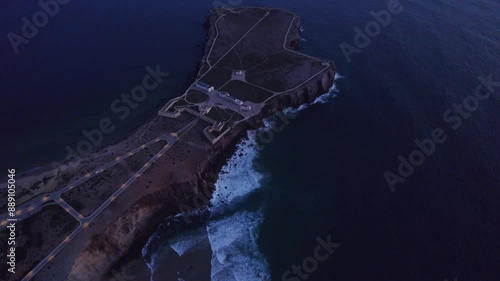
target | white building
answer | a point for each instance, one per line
(205, 86)
(246, 107)
(230, 98)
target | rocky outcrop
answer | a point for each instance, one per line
(127, 235)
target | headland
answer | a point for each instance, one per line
(88, 218)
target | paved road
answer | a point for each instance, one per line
(33, 206)
(215, 100)
(84, 222)
(234, 46)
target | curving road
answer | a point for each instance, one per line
(32, 206)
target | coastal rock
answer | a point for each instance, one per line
(182, 180)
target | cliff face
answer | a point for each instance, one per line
(127, 235)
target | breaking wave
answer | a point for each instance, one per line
(233, 238)
(187, 242)
(325, 98)
(233, 230)
(236, 255)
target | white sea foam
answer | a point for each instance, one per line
(188, 242)
(151, 262)
(325, 98)
(236, 255)
(338, 76)
(233, 238)
(238, 177)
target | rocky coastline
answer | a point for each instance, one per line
(113, 247)
(148, 213)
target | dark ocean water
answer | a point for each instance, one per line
(324, 174)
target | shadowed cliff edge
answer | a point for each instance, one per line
(161, 168)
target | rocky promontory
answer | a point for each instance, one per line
(260, 42)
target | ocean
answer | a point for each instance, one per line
(334, 173)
